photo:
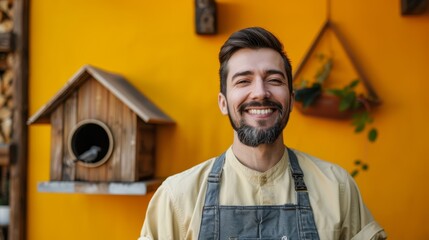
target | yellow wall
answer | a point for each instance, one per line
(154, 45)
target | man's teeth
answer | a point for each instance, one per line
(260, 111)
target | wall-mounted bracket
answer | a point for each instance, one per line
(413, 7)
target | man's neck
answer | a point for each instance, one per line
(260, 158)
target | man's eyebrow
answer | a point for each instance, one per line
(244, 73)
(267, 72)
(273, 71)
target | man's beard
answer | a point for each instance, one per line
(252, 136)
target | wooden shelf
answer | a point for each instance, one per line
(110, 188)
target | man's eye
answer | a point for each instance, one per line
(275, 81)
(242, 81)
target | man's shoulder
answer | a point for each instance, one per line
(311, 164)
(191, 179)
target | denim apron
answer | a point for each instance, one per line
(262, 222)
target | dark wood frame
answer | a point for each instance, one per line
(19, 143)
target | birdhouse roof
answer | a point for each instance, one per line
(116, 84)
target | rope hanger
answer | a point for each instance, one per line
(329, 24)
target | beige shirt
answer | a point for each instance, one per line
(175, 209)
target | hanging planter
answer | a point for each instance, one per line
(339, 103)
(332, 103)
(326, 105)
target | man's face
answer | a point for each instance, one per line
(257, 99)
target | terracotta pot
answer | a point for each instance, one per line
(325, 106)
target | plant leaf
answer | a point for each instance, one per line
(324, 72)
(356, 104)
(347, 101)
(336, 92)
(372, 135)
(354, 83)
(360, 120)
(359, 128)
(354, 173)
(308, 95)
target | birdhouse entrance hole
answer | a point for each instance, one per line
(91, 143)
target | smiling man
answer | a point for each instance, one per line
(259, 188)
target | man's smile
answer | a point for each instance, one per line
(260, 109)
(265, 111)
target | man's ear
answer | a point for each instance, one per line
(223, 106)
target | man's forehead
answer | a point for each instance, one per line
(255, 60)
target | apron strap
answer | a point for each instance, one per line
(297, 173)
(213, 182)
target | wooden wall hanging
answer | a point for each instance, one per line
(323, 107)
(205, 17)
(412, 7)
(102, 129)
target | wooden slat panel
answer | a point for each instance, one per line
(128, 145)
(99, 98)
(57, 148)
(85, 108)
(114, 121)
(42, 115)
(70, 120)
(145, 150)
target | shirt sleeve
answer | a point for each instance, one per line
(358, 223)
(162, 217)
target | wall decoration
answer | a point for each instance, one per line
(315, 99)
(413, 7)
(205, 17)
(314, 102)
(102, 130)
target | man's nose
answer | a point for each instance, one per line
(260, 90)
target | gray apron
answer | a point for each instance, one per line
(263, 222)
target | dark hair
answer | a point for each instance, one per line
(254, 38)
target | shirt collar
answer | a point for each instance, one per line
(259, 178)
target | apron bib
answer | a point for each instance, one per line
(265, 222)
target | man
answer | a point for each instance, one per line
(259, 189)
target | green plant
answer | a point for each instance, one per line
(360, 166)
(349, 100)
(308, 94)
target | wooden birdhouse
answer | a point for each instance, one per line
(102, 129)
